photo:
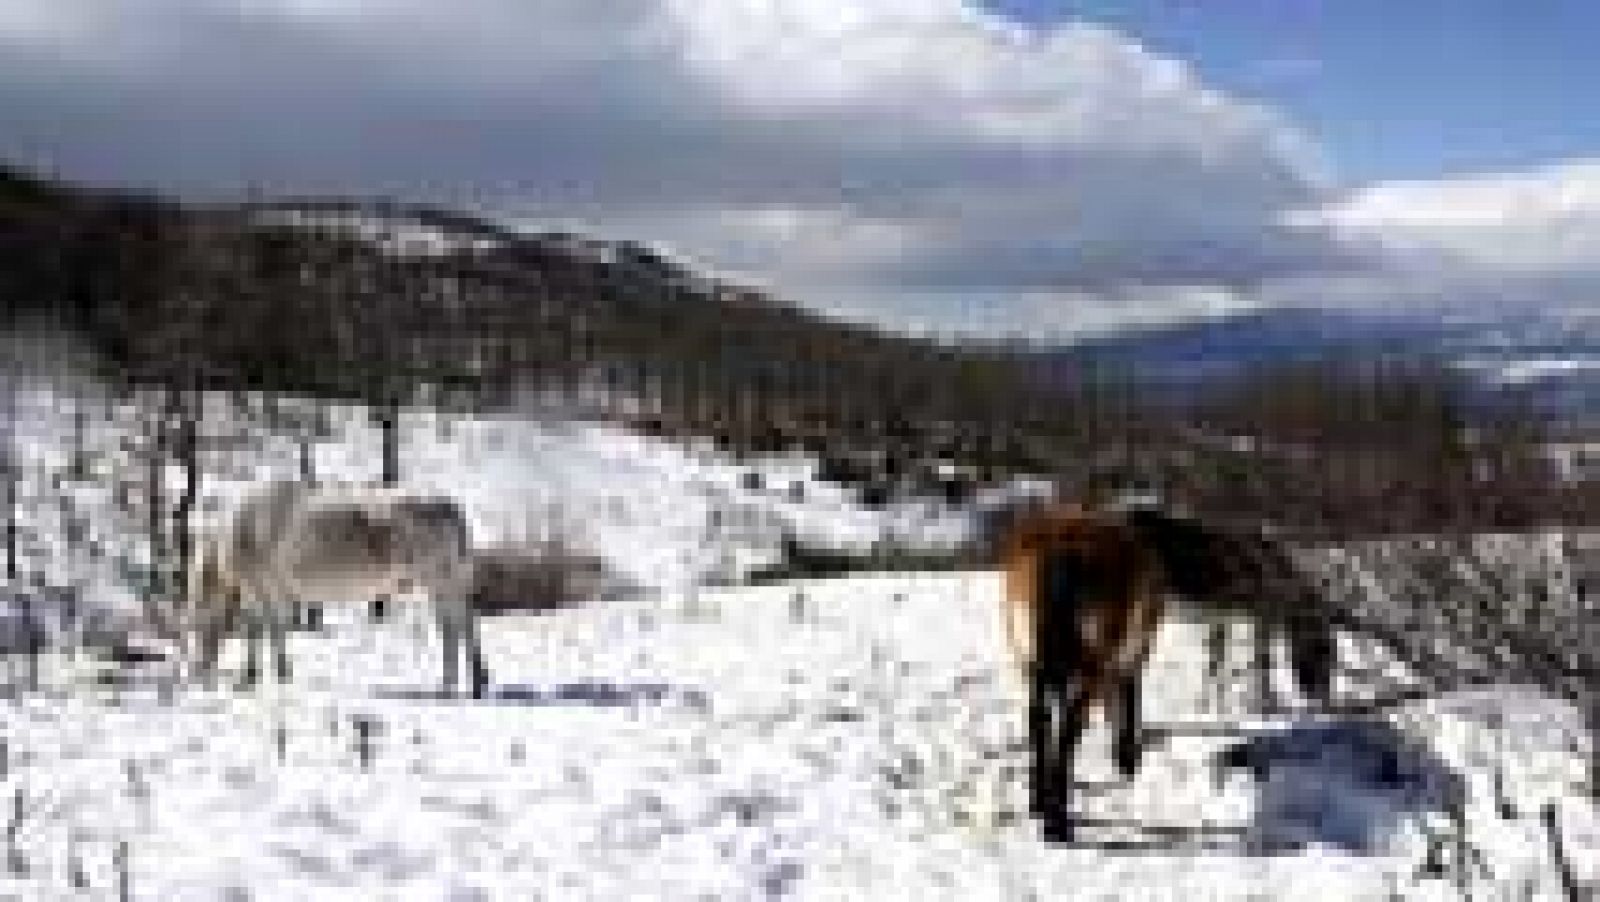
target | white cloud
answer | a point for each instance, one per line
(896, 158)
(1037, 315)
(1544, 220)
(837, 143)
(1527, 240)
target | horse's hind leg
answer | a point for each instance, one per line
(1055, 726)
(1217, 635)
(1129, 742)
(1046, 789)
(306, 616)
(478, 669)
(1261, 665)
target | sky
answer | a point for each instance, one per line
(1412, 89)
(999, 168)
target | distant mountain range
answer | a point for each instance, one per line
(1551, 355)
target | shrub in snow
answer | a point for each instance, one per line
(540, 576)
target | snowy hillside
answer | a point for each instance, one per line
(661, 516)
(854, 738)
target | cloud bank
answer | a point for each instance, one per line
(897, 160)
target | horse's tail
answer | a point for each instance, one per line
(1058, 634)
(1090, 629)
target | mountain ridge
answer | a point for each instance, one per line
(1495, 350)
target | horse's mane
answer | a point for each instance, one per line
(1209, 562)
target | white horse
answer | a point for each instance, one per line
(291, 544)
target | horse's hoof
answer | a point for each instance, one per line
(1044, 811)
(1128, 761)
(1431, 869)
(1057, 830)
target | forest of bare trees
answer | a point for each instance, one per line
(181, 299)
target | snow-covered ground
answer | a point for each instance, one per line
(848, 739)
(855, 738)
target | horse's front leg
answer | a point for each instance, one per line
(278, 630)
(458, 631)
(251, 634)
(1313, 655)
(451, 593)
(208, 647)
(455, 625)
(272, 609)
(1592, 723)
(214, 626)
(450, 642)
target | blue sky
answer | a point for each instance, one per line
(1393, 88)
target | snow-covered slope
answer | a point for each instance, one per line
(856, 738)
(660, 515)
(840, 740)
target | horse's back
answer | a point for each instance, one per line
(350, 540)
(1096, 550)
(438, 516)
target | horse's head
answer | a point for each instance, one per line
(996, 528)
(206, 597)
(989, 526)
(997, 513)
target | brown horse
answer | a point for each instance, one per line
(1086, 590)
